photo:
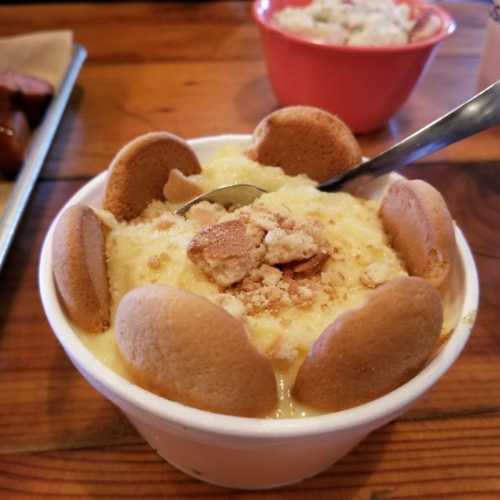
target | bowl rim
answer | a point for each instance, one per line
(449, 26)
(256, 428)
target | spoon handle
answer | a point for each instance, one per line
(479, 113)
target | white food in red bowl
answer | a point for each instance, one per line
(358, 22)
(253, 452)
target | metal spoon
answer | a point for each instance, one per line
(479, 113)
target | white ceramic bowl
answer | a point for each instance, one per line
(245, 452)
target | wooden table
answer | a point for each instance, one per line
(196, 69)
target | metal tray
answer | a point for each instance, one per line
(37, 151)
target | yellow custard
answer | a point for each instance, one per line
(154, 249)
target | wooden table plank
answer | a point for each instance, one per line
(163, 31)
(401, 460)
(208, 98)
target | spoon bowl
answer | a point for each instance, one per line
(235, 195)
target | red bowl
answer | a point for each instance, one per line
(365, 86)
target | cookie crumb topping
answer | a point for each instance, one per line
(265, 260)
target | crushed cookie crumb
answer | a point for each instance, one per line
(264, 259)
(164, 225)
(271, 275)
(180, 188)
(231, 304)
(269, 291)
(154, 262)
(227, 251)
(312, 265)
(282, 350)
(206, 213)
(285, 246)
(375, 274)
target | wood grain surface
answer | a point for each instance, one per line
(196, 69)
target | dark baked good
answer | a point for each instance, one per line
(27, 93)
(14, 138)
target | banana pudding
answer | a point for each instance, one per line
(303, 257)
(302, 302)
